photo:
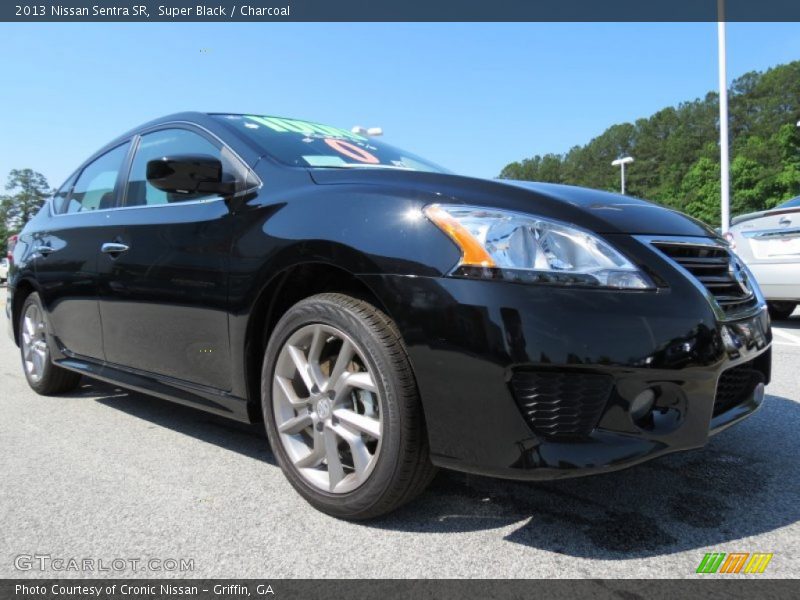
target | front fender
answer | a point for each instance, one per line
(358, 230)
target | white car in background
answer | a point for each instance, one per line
(3, 270)
(769, 243)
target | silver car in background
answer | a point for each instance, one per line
(769, 243)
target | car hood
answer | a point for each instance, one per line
(597, 211)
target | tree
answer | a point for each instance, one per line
(5, 233)
(700, 190)
(29, 190)
(677, 150)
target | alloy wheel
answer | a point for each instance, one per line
(34, 343)
(327, 408)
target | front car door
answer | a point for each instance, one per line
(164, 289)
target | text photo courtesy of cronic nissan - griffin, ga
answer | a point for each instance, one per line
(331, 298)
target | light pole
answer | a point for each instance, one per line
(621, 162)
(724, 158)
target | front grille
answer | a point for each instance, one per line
(561, 404)
(735, 386)
(717, 269)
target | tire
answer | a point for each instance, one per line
(368, 470)
(43, 376)
(781, 310)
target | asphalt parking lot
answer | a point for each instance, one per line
(106, 474)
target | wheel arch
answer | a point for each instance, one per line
(22, 289)
(280, 293)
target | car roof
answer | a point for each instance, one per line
(203, 119)
(792, 202)
(189, 116)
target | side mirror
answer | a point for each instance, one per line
(189, 174)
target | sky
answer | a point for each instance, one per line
(469, 96)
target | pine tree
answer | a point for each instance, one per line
(29, 190)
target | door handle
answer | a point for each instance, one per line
(785, 221)
(113, 248)
(43, 250)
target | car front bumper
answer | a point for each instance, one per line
(472, 342)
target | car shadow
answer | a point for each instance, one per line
(745, 482)
(248, 440)
(792, 322)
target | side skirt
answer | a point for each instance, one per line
(166, 388)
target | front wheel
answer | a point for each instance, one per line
(43, 376)
(342, 410)
(781, 310)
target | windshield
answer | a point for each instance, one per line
(791, 203)
(305, 144)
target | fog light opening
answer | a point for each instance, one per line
(642, 407)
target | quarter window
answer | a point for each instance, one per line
(94, 188)
(167, 142)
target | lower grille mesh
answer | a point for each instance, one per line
(735, 386)
(561, 404)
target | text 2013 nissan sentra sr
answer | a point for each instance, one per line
(382, 315)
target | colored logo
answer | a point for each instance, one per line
(735, 562)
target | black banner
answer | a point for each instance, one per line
(405, 10)
(283, 589)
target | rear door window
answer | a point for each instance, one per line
(95, 186)
(62, 195)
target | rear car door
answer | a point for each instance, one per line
(164, 275)
(66, 253)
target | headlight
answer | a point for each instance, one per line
(499, 244)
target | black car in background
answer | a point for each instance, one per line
(382, 315)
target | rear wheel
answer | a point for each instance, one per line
(781, 310)
(43, 376)
(342, 410)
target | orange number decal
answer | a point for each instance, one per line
(352, 151)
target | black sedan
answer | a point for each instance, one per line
(382, 315)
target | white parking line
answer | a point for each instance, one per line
(795, 339)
